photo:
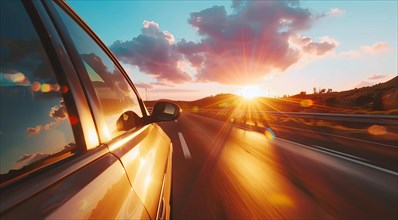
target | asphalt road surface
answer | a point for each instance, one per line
(224, 171)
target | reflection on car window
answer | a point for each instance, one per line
(112, 89)
(35, 130)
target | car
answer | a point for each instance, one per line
(76, 138)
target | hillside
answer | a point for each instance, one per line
(378, 99)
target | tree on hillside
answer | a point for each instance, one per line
(331, 101)
(363, 100)
(378, 102)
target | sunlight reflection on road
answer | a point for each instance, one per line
(244, 174)
(256, 186)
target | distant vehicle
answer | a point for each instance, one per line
(76, 138)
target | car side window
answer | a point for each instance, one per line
(117, 98)
(35, 127)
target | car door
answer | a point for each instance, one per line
(121, 118)
(52, 162)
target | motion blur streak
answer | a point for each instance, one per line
(241, 174)
(256, 180)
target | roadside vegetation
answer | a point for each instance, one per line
(380, 99)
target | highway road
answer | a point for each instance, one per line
(221, 170)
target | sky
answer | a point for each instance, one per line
(186, 50)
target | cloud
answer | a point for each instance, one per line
(24, 63)
(336, 11)
(318, 48)
(162, 84)
(245, 46)
(24, 157)
(375, 49)
(237, 48)
(143, 85)
(306, 45)
(376, 76)
(372, 80)
(57, 113)
(154, 52)
(364, 84)
(27, 159)
(175, 90)
(34, 130)
(14, 78)
(20, 53)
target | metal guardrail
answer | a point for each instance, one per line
(377, 119)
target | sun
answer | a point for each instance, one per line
(250, 92)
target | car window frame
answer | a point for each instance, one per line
(48, 43)
(85, 81)
(49, 49)
(28, 184)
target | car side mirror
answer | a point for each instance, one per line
(127, 121)
(165, 111)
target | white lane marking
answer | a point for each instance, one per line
(184, 146)
(342, 157)
(338, 152)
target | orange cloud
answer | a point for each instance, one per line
(245, 46)
(306, 45)
(58, 113)
(154, 53)
(34, 130)
(375, 49)
(237, 48)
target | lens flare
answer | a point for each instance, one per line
(45, 88)
(269, 134)
(35, 86)
(377, 130)
(306, 103)
(73, 120)
(250, 92)
(64, 89)
(17, 77)
(56, 87)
